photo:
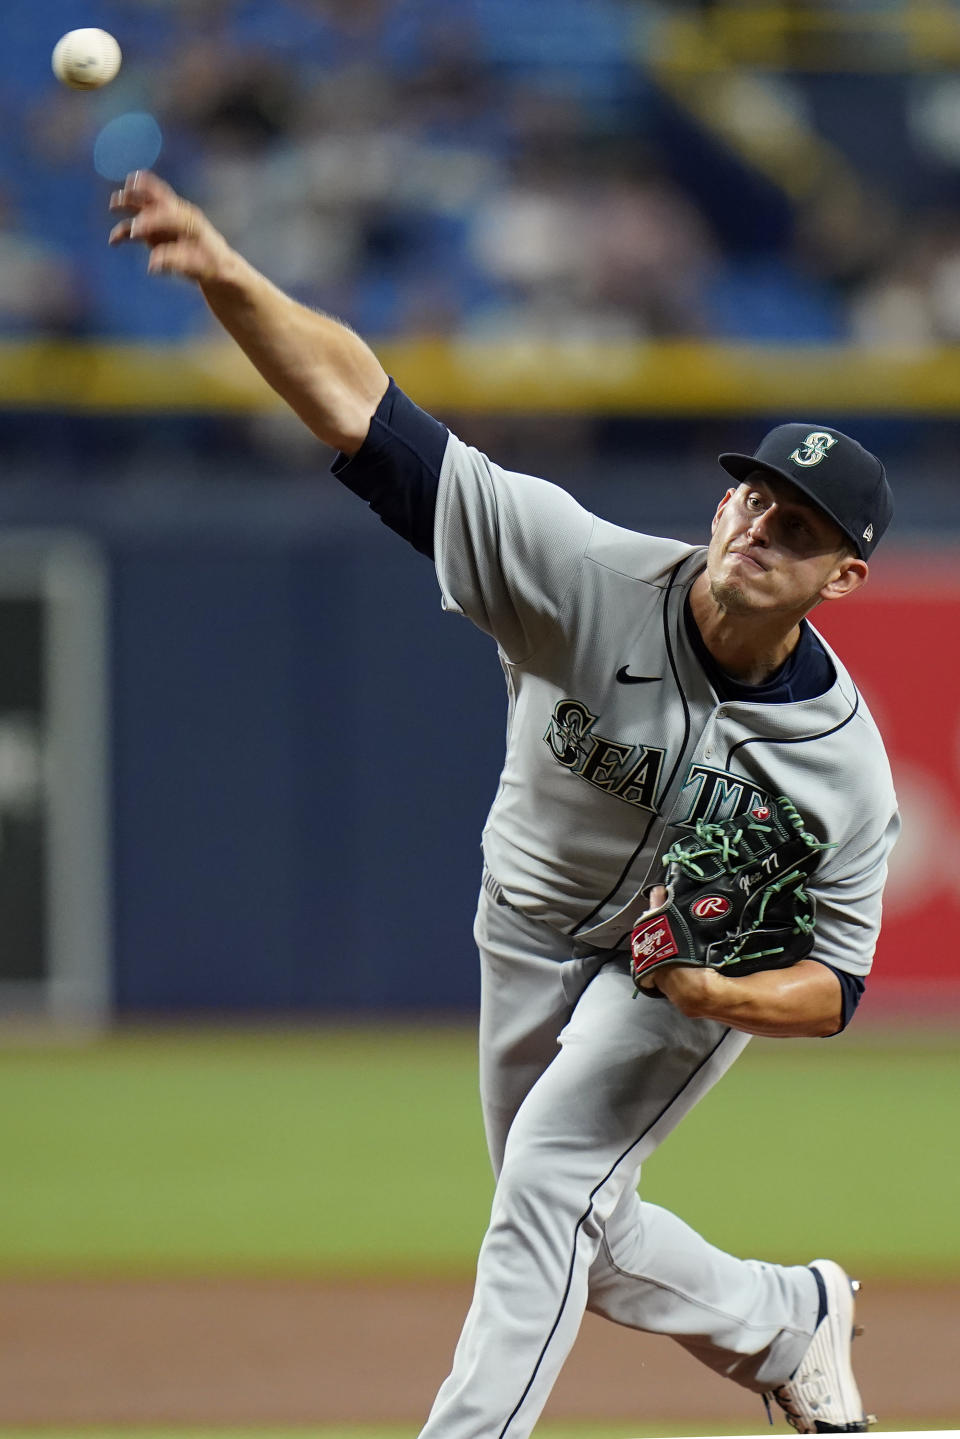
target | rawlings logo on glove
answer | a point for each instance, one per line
(736, 897)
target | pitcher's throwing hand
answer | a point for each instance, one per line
(180, 238)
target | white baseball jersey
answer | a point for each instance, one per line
(614, 731)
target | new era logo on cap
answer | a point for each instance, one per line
(833, 470)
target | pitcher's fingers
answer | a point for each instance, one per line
(177, 257)
(127, 200)
(119, 233)
(161, 259)
(165, 221)
(131, 195)
(152, 228)
(145, 185)
(139, 189)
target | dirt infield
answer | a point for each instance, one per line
(253, 1352)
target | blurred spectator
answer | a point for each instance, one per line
(593, 240)
(39, 286)
(430, 167)
(914, 299)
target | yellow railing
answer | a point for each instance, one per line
(671, 378)
(909, 35)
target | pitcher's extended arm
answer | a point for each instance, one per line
(324, 371)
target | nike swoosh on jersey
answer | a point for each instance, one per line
(627, 679)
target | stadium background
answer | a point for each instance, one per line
(603, 241)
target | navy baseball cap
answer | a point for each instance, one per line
(839, 475)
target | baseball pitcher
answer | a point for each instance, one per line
(687, 847)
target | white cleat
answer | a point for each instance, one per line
(822, 1397)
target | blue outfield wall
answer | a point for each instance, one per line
(305, 747)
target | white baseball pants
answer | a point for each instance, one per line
(568, 1128)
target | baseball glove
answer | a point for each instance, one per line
(736, 897)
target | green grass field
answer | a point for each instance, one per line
(359, 1151)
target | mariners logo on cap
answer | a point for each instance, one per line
(814, 449)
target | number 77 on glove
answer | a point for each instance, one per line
(737, 899)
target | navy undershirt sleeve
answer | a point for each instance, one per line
(397, 468)
(852, 987)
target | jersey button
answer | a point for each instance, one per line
(708, 752)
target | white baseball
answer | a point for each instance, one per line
(86, 59)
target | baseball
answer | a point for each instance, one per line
(86, 59)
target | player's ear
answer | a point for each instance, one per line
(720, 508)
(848, 575)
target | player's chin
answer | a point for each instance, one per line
(736, 599)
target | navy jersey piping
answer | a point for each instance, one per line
(397, 468)
(673, 773)
(794, 739)
(586, 1215)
